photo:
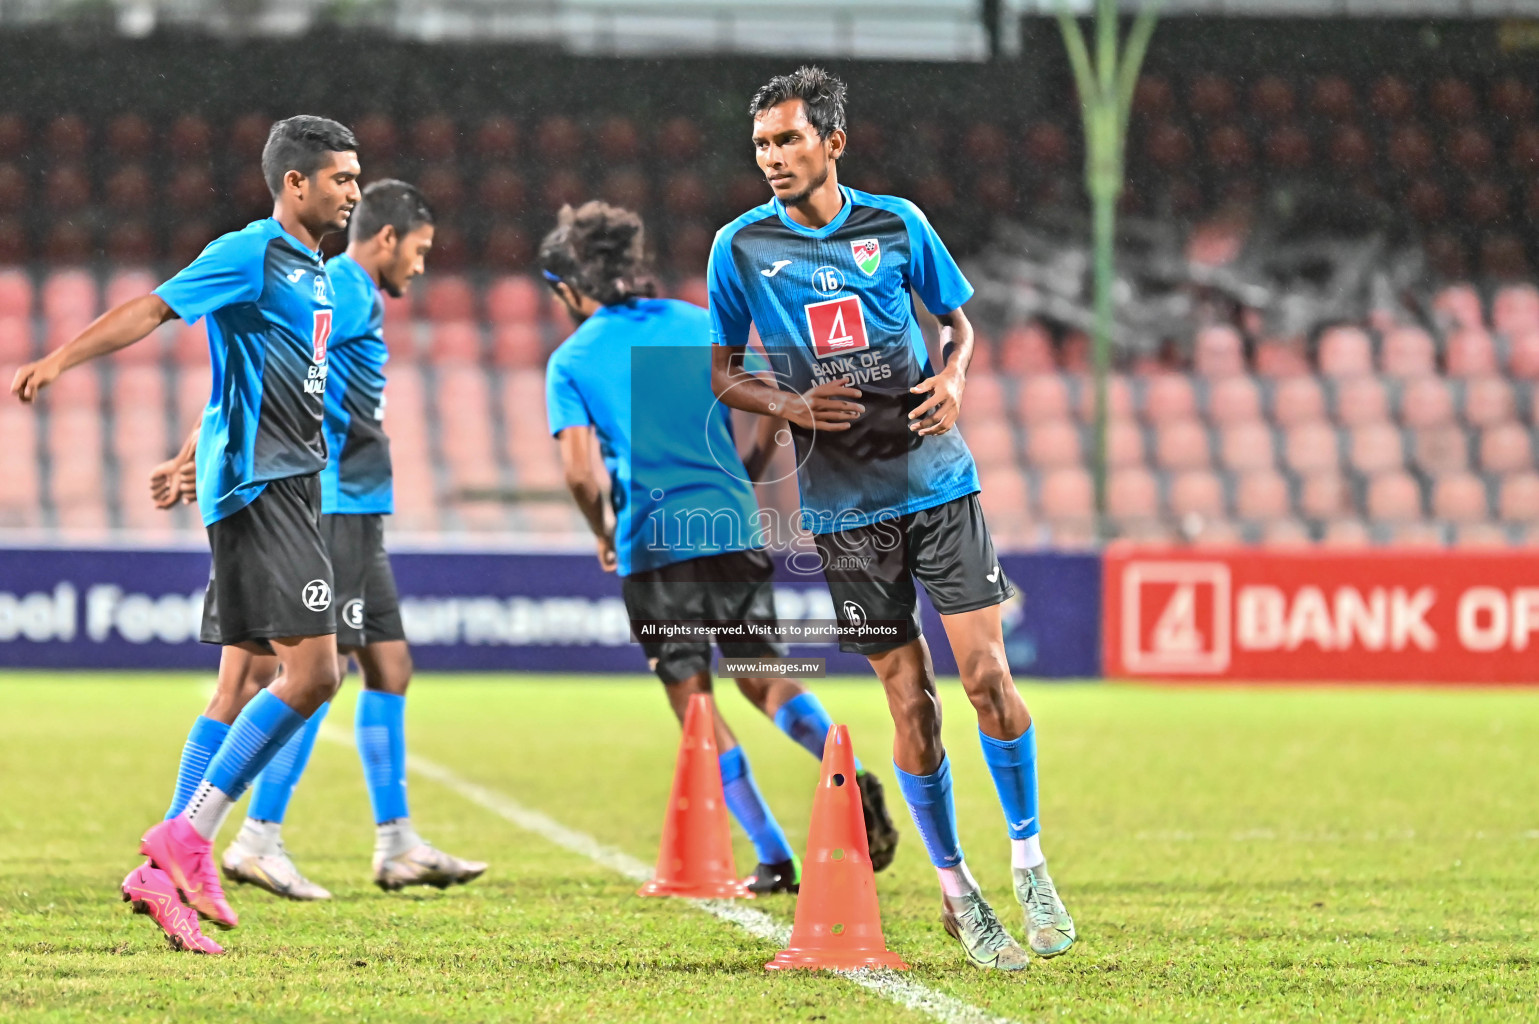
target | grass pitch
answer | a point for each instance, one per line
(1267, 854)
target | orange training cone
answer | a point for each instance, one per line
(696, 855)
(838, 924)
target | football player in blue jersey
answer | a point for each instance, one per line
(269, 307)
(390, 235)
(889, 490)
(634, 381)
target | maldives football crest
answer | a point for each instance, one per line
(868, 255)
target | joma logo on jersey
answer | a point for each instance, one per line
(837, 326)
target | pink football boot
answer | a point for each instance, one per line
(175, 847)
(151, 892)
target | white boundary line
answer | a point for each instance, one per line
(887, 984)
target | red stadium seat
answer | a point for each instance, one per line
(1391, 98)
(1427, 201)
(1026, 349)
(985, 398)
(16, 344)
(1182, 444)
(1271, 98)
(1515, 309)
(1460, 498)
(449, 298)
(1350, 149)
(1331, 96)
(1168, 397)
(1132, 495)
(456, 343)
(435, 138)
(1518, 498)
(1053, 444)
(377, 136)
(515, 298)
(1311, 448)
(1408, 352)
(1512, 98)
(1285, 533)
(139, 388)
(1488, 401)
(1248, 445)
(1219, 351)
(1393, 497)
(1471, 149)
(248, 136)
(564, 188)
(130, 189)
(66, 188)
(1459, 306)
(68, 137)
(1153, 96)
(1197, 492)
(1229, 148)
(1345, 352)
(1417, 534)
(1288, 147)
(1523, 152)
(1426, 402)
(1210, 97)
(13, 135)
(1324, 495)
(984, 144)
(686, 194)
(1298, 400)
(1233, 400)
(1506, 448)
(124, 285)
(497, 138)
(1472, 353)
(1067, 495)
(1361, 400)
(1375, 448)
(507, 249)
(1124, 444)
(558, 141)
(1006, 506)
(1261, 495)
(15, 293)
(992, 443)
(1523, 354)
(1485, 202)
(680, 139)
(1480, 535)
(517, 346)
(1047, 146)
(444, 187)
(131, 243)
(1346, 533)
(194, 385)
(617, 140)
(15, 189)
(1411, 150)
(1042, 397)
(21, 495)
(190, 138)
(1168, 146)
(1453, 99)
(70, 295)
(1279, 359)
(626, 187)
(1440, 449)
(1119, 398)
(696, 291)
(1504, 256)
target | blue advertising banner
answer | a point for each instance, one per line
(483, 611)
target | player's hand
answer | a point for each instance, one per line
(825, 407)
(34, 377)
(163, 489)
(187, 481)
(938, 413)
(608, 560)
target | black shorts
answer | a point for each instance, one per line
(270, 576)
(368, 608)
(735, 586)
(871, 571)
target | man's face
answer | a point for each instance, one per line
(408, 260)
(327, 198)
(795, 159)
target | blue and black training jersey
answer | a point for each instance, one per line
(267, 299)
(639, 373)
(836, 301)
(357, 476)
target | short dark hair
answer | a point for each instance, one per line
(600, 250)
(300, 143)
(820, 92)
(389, 202)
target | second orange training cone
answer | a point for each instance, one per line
(838, 923)
(696, 855)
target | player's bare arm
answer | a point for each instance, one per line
(117, 328)
(585, 482)
(175, 480)
(827, 406)
(938, 413)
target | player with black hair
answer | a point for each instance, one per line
(389, 238)
(269, 304)
(635, 377)
(889, 489)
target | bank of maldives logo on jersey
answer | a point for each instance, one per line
(837, 326)
(868, 255)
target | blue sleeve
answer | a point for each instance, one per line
(563, 404)
(227, 273)
(730, 319)
(353, 312)
(931, 270)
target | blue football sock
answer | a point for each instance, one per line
(255, 739)
(935, 816)
(203, 742)
(275, 786)
(381, 727)
(803, 719)
(1013, 763)
(750, 810)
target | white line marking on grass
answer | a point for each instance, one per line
(889, 985)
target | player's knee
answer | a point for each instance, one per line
(986, 678)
